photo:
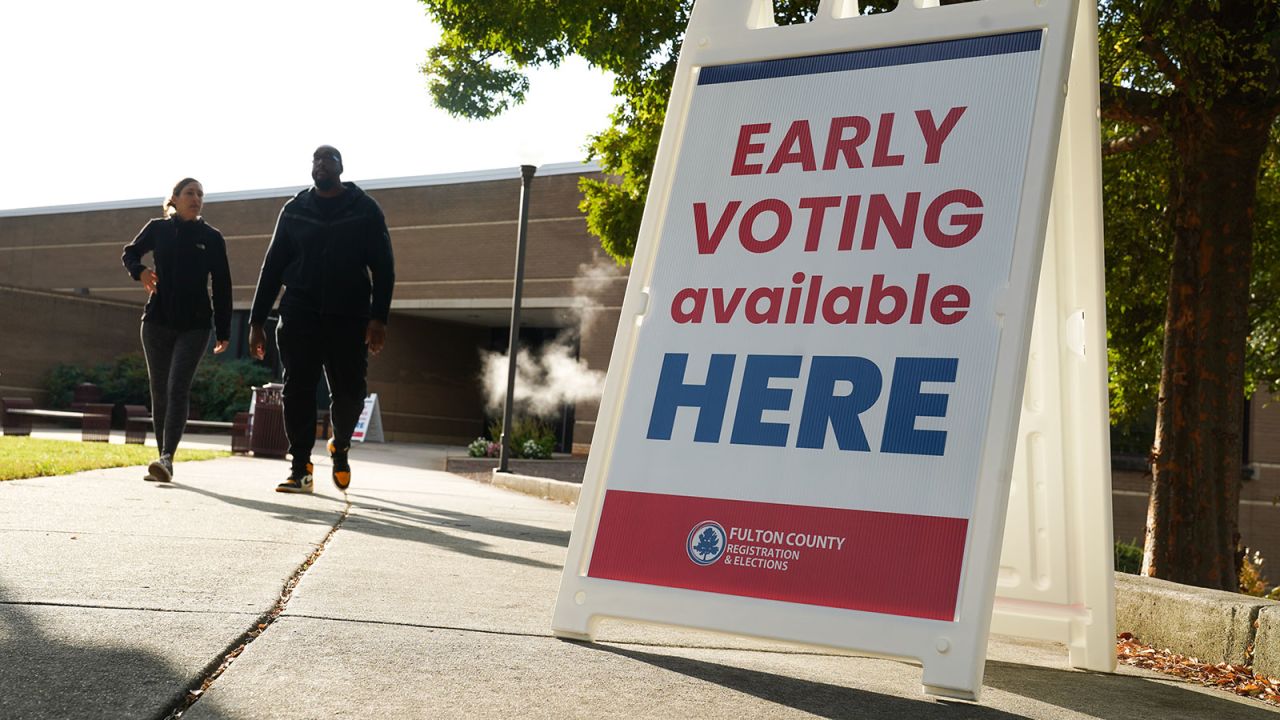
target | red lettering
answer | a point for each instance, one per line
(950, 297)
(934, 136)
(901, 229)
(746, 232)
(838, 145)
(723, 311)
(747, 148)
(970, 223)
(811, 307)
(678, 312)
(817, 207)
(875, 299)
(852, 295)
(918, 298)
(850, 224)
(797, 135)
(793, 303)
(708, 242)
(881, 157)
(770, 315)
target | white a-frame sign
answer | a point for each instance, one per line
(809, 425)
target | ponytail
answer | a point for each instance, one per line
(168, 206)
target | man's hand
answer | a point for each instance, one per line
(148, 278)
(375, 336)
(257, 342)
(221, 346)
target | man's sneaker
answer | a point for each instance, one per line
(161, 469)
(341, 467)
(299, 481)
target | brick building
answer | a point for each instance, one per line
(454, 240)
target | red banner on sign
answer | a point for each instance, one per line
(890, 563)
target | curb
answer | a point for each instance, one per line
(1210, 625)
(558, 490)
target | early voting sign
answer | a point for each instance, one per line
(812, 402)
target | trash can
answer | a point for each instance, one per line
(266, 422)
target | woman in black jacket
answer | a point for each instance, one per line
(187, 253)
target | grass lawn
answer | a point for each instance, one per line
(24, 457)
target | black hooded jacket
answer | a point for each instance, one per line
(187, 254)
(332, 256)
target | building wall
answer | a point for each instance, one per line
(427, 381)
(1264, 429)
(40, 329)
(454, 240)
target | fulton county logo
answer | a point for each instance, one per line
(706, 542)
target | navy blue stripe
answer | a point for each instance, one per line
(879, 57)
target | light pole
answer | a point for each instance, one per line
(513, 343)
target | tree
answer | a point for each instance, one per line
(1205, 78)
(1193, 87)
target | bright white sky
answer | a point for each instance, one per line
(108, 101)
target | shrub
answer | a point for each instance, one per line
(483, 447)
(531, 437)
(124, 380)
(1252, 581)
(61, 381)
(1129, 557)
(223, 388)
(220, 389)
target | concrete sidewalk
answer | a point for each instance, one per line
(432, 598)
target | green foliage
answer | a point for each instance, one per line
(483, 447)
(219, 390)
(1252, 581)
(1138, 251)
(60, 384)
(1167, 61)
(530, 437)
(124, 380)
(478, 70)
(1128, 557)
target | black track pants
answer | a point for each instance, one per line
(310, 347)
(172, 358)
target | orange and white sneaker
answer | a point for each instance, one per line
(341, 466)
(300, 481)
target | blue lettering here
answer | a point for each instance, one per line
(821, 407)
(906, 403)
(673, 393)
(756, 396)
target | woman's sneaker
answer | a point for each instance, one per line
(341, 467)
(300, 481)
(160, 470)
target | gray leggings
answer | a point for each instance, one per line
(172, 358)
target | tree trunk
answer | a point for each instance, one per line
(1192, 521)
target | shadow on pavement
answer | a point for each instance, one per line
(477, 523)
(821, 699)
(44, 676)
(408, 525)
(1116, 697)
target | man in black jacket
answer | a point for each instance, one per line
(332, 252)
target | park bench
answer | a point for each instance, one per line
(16, 415)
(138, 420)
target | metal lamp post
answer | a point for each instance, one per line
(513, 343)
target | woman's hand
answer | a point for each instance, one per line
(221, 346)
(148, 278)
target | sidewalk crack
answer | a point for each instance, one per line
(219, 665)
